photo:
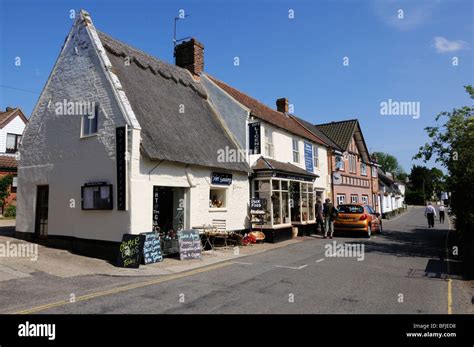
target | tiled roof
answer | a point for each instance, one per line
(339, 132)
(7, 162)
(313, 128)
(270, 164)
(267, 114)
(6, 116)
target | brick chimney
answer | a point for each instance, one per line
(190, 55)
(282, 105)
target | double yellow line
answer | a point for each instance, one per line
(122, 289)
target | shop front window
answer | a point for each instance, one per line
(262, 192)
(217, 198)
(295, 196)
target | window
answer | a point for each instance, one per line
(217, 198)
(365, 199)
(296, 152)
(339, 162)
(374, 171)
(13, 141)
(354, 199)
(14, 184)
(262, 191)
(269, 142)
(315, 156)
(97, 197)
(341, 199)
(89, 122)
(363, 169)
(352, 163)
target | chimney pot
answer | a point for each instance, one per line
(282, 105)
(190, 55)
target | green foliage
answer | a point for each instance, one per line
(10, 211)
(5, 183)
(452, 145)
(390, 164)
(425, 184)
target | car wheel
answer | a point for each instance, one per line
(369, 231)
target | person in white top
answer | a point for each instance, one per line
(441, 214)
(430, 213)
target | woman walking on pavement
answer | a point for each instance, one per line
(430, 214)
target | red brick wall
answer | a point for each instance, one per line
(11, 200)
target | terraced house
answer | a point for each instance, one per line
(353, 171)
(289, 163)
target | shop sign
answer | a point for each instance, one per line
(189, 244)
(221, 178)
(121, 147)
(257, 206)
(254, 138)
(130, 251)
(156, 210)
(152, 248)
(308, 156)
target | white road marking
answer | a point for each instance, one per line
(292, 267)
(320, 260)
(242, 263)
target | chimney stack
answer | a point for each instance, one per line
(282, 105)
(9, 108)
(190, 55)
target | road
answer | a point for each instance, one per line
(401, 271)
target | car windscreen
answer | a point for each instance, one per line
(350, 209)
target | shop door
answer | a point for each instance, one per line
(41, 218)
(168, 216)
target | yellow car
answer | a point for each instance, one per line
(358, 217)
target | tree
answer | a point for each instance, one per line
(452, 145)
(5, 184)
(390, 164)
(425, 184)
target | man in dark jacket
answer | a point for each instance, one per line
(330, 215)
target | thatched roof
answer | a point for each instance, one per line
(159, 92)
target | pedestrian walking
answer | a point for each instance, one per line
(441, 214)
(319, 216)
(430, 214)
(330, 215)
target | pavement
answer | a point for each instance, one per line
(401, 271)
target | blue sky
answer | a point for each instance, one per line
(301, 58)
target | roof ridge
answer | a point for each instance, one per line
(339, 121)
(256, 100)
(298, 129)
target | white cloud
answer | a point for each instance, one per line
(404, 15)
(443, 45)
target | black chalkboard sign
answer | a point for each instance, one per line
(189, 244)
(130, 251)
(152, 249)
